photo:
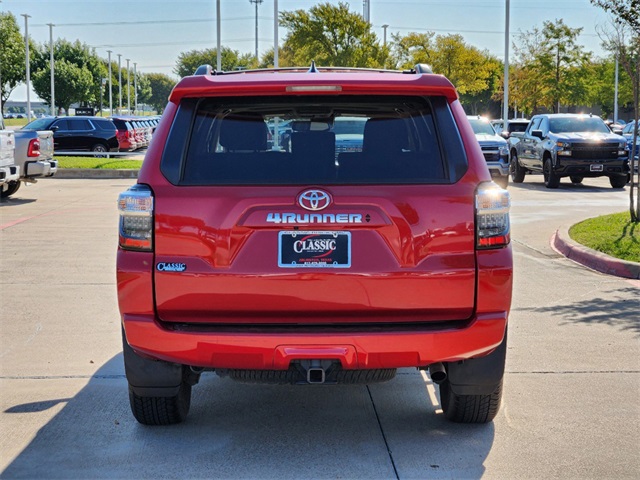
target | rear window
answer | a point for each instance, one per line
(104, 124)
(227, 141)
(518, 126)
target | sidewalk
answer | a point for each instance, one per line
(562, 242)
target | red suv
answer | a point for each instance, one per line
(298, 264)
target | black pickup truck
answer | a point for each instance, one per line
(569, 145)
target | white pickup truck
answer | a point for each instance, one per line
(33, 157)
(9, 171)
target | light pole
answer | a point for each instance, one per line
(615, 98)
(120, 83)
(505, 107)
(218, 53)
(367, 11)
(110, 86)
(26, 43)
(257, 2)
(135, 88)
(275, 33)
(128, 88)
(53, 88)
(384, 27)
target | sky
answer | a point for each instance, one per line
(152, 33)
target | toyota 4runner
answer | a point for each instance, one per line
(297, 264)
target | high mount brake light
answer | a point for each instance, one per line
(493, 229)
(136, 218)
(314, 88)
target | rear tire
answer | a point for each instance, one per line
(99, 148)
(618, 181)
(161, 410)
(517, 172)
(551, 180)
(12, 188)
(470, 408)
(576, 179)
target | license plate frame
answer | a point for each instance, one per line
(314, 249)
(596, 167)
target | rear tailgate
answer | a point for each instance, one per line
(45, 137)
(7, 146)
(411, 258)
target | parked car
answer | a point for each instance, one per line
(570, 145)
(615, 127)
(9, 171)
(34, 156)
(289, 267)
(72, 134)
(125, 133)
(140, 133)
(494, 148)
(514, 125)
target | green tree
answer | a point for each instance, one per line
(561, 60)
(72, 83)
(332, 36)
(468, 68)
(600, 83)
(189, 61)
(12, 55)
(550, 65)
(160, 86)
(80, 55)
(411, 49)
(623, 40)
(472, 71)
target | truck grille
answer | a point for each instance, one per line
(491, 153)
(590, 151)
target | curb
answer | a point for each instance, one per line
(562, 242)
(95, 173)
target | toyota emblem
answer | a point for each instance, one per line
(314, 200)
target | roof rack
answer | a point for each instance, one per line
(206, 69)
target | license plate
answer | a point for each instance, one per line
(314, 249)
(597, 168)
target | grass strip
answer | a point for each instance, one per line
(614, 235)
(92, 162)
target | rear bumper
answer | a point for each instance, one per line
(43, 168)
(266, 350)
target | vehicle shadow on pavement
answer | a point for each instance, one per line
(614, 310)
(238, 430)
(14, 202)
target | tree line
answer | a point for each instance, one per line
(550, 68)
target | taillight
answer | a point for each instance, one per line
(34, 148)
(136, 218)
(492, 216)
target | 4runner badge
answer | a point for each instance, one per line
(171, 267)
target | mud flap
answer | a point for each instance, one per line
(150, 378)
(478, 376)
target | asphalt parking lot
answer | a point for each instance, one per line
(572, 383)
